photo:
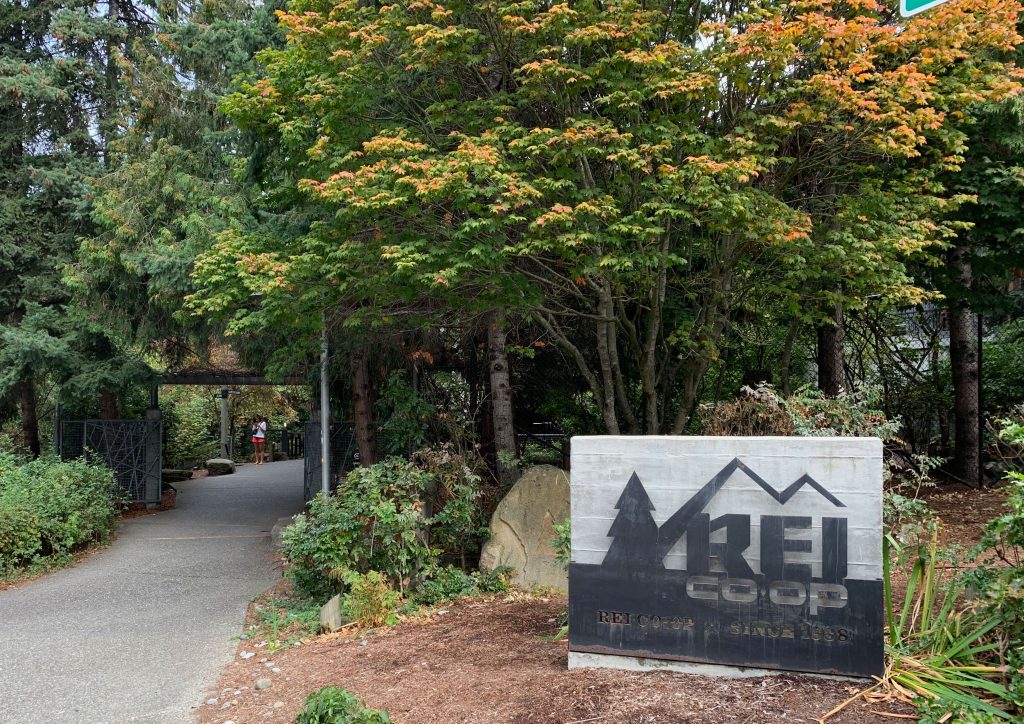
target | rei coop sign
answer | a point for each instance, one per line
(741, 551)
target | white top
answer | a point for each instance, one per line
(260, 429)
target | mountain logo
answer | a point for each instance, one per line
(640, 543)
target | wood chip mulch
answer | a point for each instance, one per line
(484, 660)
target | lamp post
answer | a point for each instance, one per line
(325, 412)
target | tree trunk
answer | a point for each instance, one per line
(109, 407)
(473, 380)
(29, 415)
(831, 375)
(501, 399)
(711, 323)
(787, 358)
(963, 358)
(607, 401)
(362, 408)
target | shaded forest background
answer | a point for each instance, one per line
(516, 217)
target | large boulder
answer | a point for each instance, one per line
(331, 619)
(522, 532)
(220, 466)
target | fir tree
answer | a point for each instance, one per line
(635, 533)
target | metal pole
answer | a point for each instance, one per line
(58, 429)
(224, 451)
(325, 414)
(981, 404)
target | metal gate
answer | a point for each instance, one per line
(343, 455)
(131, 448)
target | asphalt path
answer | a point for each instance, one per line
(137, 632)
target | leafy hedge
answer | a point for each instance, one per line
(50, 508)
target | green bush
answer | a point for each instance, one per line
(332, 705)
(188, 417)
(373, 522)
(562, 542)
(1004, 367)
(49, 509)
(370, 600)
(404, 416)
(458, 526)
(1002, 586)
(448, 584)
(852, 414)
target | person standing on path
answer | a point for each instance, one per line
(259, 438)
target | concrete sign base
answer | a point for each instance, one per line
(579, 660)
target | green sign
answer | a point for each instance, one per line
(913, 7)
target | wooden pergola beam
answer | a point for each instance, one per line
(226, 379)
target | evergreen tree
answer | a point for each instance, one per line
(45, 153)
(61, 99)
(171, 185)
(635, 533)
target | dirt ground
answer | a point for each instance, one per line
(965, 512)
(486, 660)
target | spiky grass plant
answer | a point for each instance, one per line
(945, 650)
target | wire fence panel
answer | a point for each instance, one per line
(131, 448)
(343, 455)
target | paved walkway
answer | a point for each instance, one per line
(137, 632)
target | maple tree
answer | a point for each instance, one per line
(625, 175)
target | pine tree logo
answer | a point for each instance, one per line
(634, 531)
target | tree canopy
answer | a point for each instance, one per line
(598, 213)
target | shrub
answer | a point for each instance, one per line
(495, 581)
(50, 508)
(944, 650)
(370, 600)
(373, 522)
(807, 413)
(1008, 447)
(457, 526)
(1002, 586)
(331, 705)
(851, 414)
(1004, 366)
(448, 584)
(188, 442)
(562, 542)
(759, 411)
(957, 643)
(404, 416)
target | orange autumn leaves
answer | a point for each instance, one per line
(590, 132)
